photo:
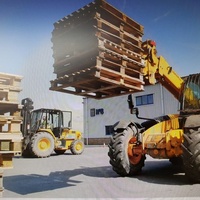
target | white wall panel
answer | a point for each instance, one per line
(116, 109)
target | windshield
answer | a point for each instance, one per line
(67, 119)
(50, 119)
(35, 120)
(191, 95)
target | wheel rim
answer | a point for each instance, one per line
(44, 144)
(134, 152)
(78, 146)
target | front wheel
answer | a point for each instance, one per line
(122, 161)
(42, 144)
(77, 147)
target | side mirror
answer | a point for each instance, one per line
(131, 106)
(69, 124)
(130, 103)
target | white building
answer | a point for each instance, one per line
(100, 115)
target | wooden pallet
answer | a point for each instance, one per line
(6, 160)
(10, 124)
(10, 80)
(10, 119)
(98, 82)
(97, 52)
(9, 87)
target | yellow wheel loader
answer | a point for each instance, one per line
(175, 137)
(48, 130)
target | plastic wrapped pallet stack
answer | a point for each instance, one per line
(97, 52)
(10, 122)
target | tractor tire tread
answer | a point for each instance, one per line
(118, 154)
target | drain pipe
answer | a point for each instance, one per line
(162, 100)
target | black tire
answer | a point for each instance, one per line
(176, 160)
(118, 153)
(26, 153)
(191, 153)
(42, 144)
(77, 147)
(59, 151)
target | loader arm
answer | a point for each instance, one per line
(157, 69)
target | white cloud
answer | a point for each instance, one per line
(162, 16)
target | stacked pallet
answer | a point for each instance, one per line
(10, 119)
(97, 52)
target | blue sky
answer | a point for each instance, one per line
(26, 25)
(25, 39)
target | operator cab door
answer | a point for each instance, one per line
(57, 119)
(67, 119)
(61, 120)
(35, 121)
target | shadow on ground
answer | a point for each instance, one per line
(26, 184)
(161, 172)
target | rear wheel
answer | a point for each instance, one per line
(191, 149)
(42, 144)
(122, 159)
(77, 147)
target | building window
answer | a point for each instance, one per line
(109, 130)
(92, 112)
(144, 100)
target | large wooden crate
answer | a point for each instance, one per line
(97, 52)
(10, 119)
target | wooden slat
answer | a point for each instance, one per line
(102, 42)
(14, 137)
(117, 31)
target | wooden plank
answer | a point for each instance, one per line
(119, 31)
(9, 107)
(6, 160)
(101, 89)
(102, 95)
(119, 49)
(14, 137)
(10, 79)
(113, 74)
(111, 13)
(76, 62)
(77, 17)
(117, 59)
(118, 40)
(70, 84)
(111, 78)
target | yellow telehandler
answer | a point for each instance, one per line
(175, 137)
(48, 130)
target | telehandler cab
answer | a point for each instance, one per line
(48, 130)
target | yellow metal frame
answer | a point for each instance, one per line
(157, 69)
(164, 139)
(68, 135)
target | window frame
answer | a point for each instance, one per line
(146, 99)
